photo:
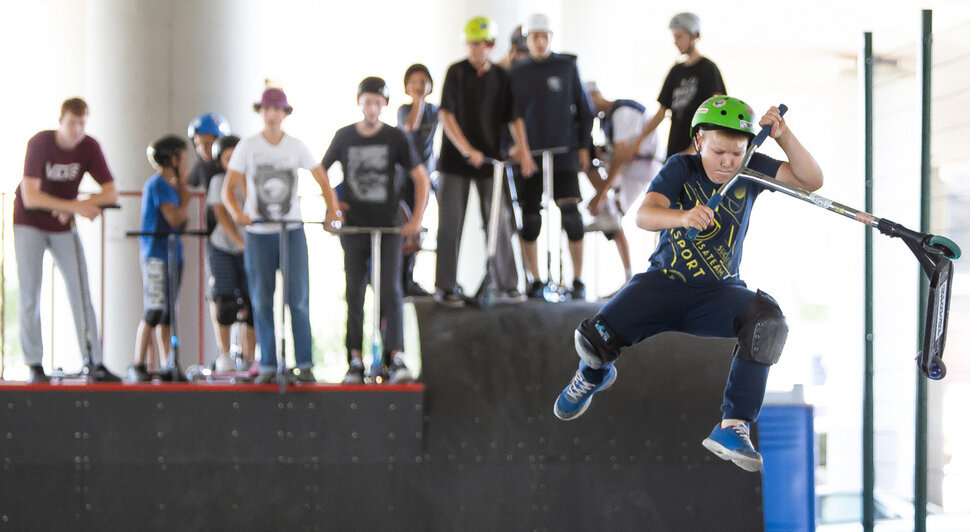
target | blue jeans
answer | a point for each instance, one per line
(262, 259)
(651, 304)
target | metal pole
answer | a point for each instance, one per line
(376, 342)
(868, 410)
(284, 281)
(3, 284)
(920, 473)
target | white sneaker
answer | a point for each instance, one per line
(398, 372)
(605, 222)
(224, 363)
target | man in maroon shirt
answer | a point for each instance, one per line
(44, 208)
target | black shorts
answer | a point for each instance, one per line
(529, 190)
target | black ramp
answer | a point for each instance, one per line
(498, 459)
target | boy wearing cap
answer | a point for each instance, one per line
(518, 49)
(476, 107)
(693, 286)
(620, 121)
(43, 213)
(687, 85)
(552, 103)
(419, 121)
(265, 166)
(204, 129)
(369, 152)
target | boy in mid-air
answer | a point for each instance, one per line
(693, 286)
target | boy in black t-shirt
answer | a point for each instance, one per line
(687, 85)
(369, 152)
(476, 107)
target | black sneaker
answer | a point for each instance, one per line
(579, 290)
(99, 373)
(37, 375)
(305, 376)
(415, 290)
(534, 290)
(172, 374)
(355, 373)
(138, 373)
(449, 298)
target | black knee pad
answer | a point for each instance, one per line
(154, 316)
(246, 310)
(762, 330)
(572, 222)
(227, 308)
(597, 343)
(531, 225)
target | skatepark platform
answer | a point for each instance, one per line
(475, 446)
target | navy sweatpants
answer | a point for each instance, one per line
(652, 303)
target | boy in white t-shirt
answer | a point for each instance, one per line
(266, 165)
(621, 121)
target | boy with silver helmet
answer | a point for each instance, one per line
(687, 85)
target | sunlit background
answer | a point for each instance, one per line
(146, 68)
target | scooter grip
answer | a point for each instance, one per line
(712, 204)
(765, 131)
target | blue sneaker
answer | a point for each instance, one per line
(574, 400)
(734, 443)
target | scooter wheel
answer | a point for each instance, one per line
(937, 369)
(949, 248)
(486, 300)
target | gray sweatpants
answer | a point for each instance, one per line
(65, 247)
(452, 198)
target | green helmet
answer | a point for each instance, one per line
(480, 29)
(724, 112)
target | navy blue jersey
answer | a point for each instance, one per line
(550, 97)
(716, 252)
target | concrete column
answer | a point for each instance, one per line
(150, 67)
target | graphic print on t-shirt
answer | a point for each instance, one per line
(274, 191)
(62, 172)
(367, 175)
(684, 94)
(713, 252)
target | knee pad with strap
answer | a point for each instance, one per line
(227, 308)
(153, 316)
(531, 225)
(572, 222)
(762, 330)
(597, 343)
